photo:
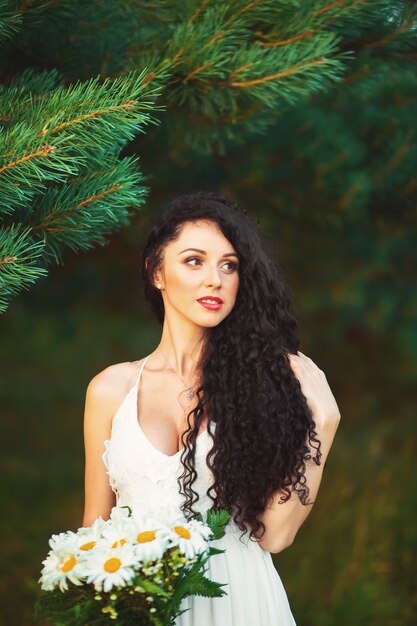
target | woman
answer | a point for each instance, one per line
(224, 413)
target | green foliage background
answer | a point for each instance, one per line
(331, 180)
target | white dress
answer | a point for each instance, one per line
(145, 478)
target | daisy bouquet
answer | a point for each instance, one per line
(129, 568)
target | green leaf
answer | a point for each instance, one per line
(152, 587)
(217, 520)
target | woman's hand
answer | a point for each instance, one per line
(316, 389)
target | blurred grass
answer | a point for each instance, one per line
(353, 561)
(43, 391)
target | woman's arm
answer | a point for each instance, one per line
(282, 521)
(104, 395)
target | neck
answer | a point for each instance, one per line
(181, 345)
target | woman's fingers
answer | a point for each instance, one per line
(300, 360)
(315, 388)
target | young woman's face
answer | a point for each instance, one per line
(208, 270)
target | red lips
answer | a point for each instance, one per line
(214, 298)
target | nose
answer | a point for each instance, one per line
(213, 276)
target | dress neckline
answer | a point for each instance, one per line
(139, 427)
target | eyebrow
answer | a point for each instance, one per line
(204, 252)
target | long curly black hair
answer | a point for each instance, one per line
(264, 428)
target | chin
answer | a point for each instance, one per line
(204, 321)
(214, 321)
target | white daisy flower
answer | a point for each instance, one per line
(150, 538)
(96, 528)
(91, 536)
(88, 541)
(119, 513)
(120, 529)
(63, 563)
(204, 530)
(109, 567)
(190, 537)
(58, 540)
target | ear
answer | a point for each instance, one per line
(158, 282)
(156, 278)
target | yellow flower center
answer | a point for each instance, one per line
(88, 546)
(112, 565)
(69, 563)
(119, 542)
(146, 535)
(182, 532)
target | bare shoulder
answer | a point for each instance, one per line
(107, 389)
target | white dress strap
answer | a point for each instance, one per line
(140, 371)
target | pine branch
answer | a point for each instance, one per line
(60, 172)
(10, 21)
(19, 255)
(80, 214)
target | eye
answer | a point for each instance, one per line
(193, 258)
(233, 266)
